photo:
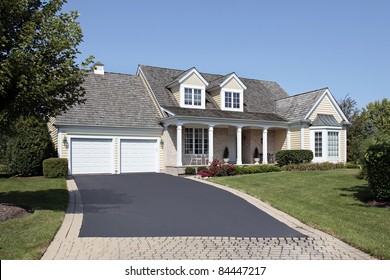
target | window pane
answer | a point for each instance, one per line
(333, 144)
(318, 144)
(188, 142)
(236, 100)
(228, 100)
(198, 140)
(197, 97)
(188, 96)
(206, 142)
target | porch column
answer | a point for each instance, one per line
(239, 146)
(178, 145)
(302, 137)
(211, 143)
(288, 139)
(265, 145)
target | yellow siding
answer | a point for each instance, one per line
(64, 150)
(342, 144)
(193, 80)
(152, 97)
(325, 107)
(176, 93)
(232, 84)
(53, 131)
(295, 139)
(280, 140)
(307, 138)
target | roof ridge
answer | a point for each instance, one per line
(308, 92)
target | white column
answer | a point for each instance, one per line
(179, 145)
(265, 146)
(239, 146)
(302, 137)
(288, 136)
(211, 143)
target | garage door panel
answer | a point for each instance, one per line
(91, 156)
(138, 156)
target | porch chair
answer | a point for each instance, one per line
(196, 159)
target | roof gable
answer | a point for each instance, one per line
(185, 75)
(224, 80)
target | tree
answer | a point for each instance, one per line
(348, 106)
(39, 75)
(378, 113)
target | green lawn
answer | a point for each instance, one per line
(332, 201)
(28, 237)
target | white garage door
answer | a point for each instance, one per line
(91, 156)
(139, 156)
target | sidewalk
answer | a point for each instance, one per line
(316, 246)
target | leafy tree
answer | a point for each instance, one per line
(348, 106)
(39, 75)
(378, 113)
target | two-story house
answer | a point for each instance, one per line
(161, 120)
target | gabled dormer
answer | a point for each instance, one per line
(189, 89)
(228, 92)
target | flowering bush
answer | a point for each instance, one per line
(217, 169)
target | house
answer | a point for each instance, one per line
(161, 120)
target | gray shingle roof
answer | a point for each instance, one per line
(259, 96)
(217, 82)
(219, 114)
(295, 108)
(116, 100)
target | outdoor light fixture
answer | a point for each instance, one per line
(65, 142)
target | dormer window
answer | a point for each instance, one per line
(228, 91)
(232, 100)
(192, 96)
(189, 89)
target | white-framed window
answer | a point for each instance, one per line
(196, 141)
(325, 144)
(232, 100)
(192, 97)
(318, 144)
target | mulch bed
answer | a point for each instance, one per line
(379, 204)
(9, 212)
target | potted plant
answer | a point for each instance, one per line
(226, 155)
(256, 157)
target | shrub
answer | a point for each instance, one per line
(226, 152)
(293, 156)
(55, 167)
(313, 166)
(257, 169)
(352, 165)
(189, 171)
(256, 153)
(218, 169)
(28, 147)
(378, 170)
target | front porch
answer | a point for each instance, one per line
(197, 144)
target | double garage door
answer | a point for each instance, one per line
(93, 156)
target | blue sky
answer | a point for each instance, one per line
(302, 45)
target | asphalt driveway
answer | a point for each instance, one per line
(157, 205)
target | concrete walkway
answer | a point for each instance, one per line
(67, 245)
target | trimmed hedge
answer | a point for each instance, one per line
(28, 147)
(313, 166)
(293, 156)
(378, 170)
(192, 170)
(240, 170)
(55, 167)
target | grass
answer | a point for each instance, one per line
(332, 201)
(28, 237)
